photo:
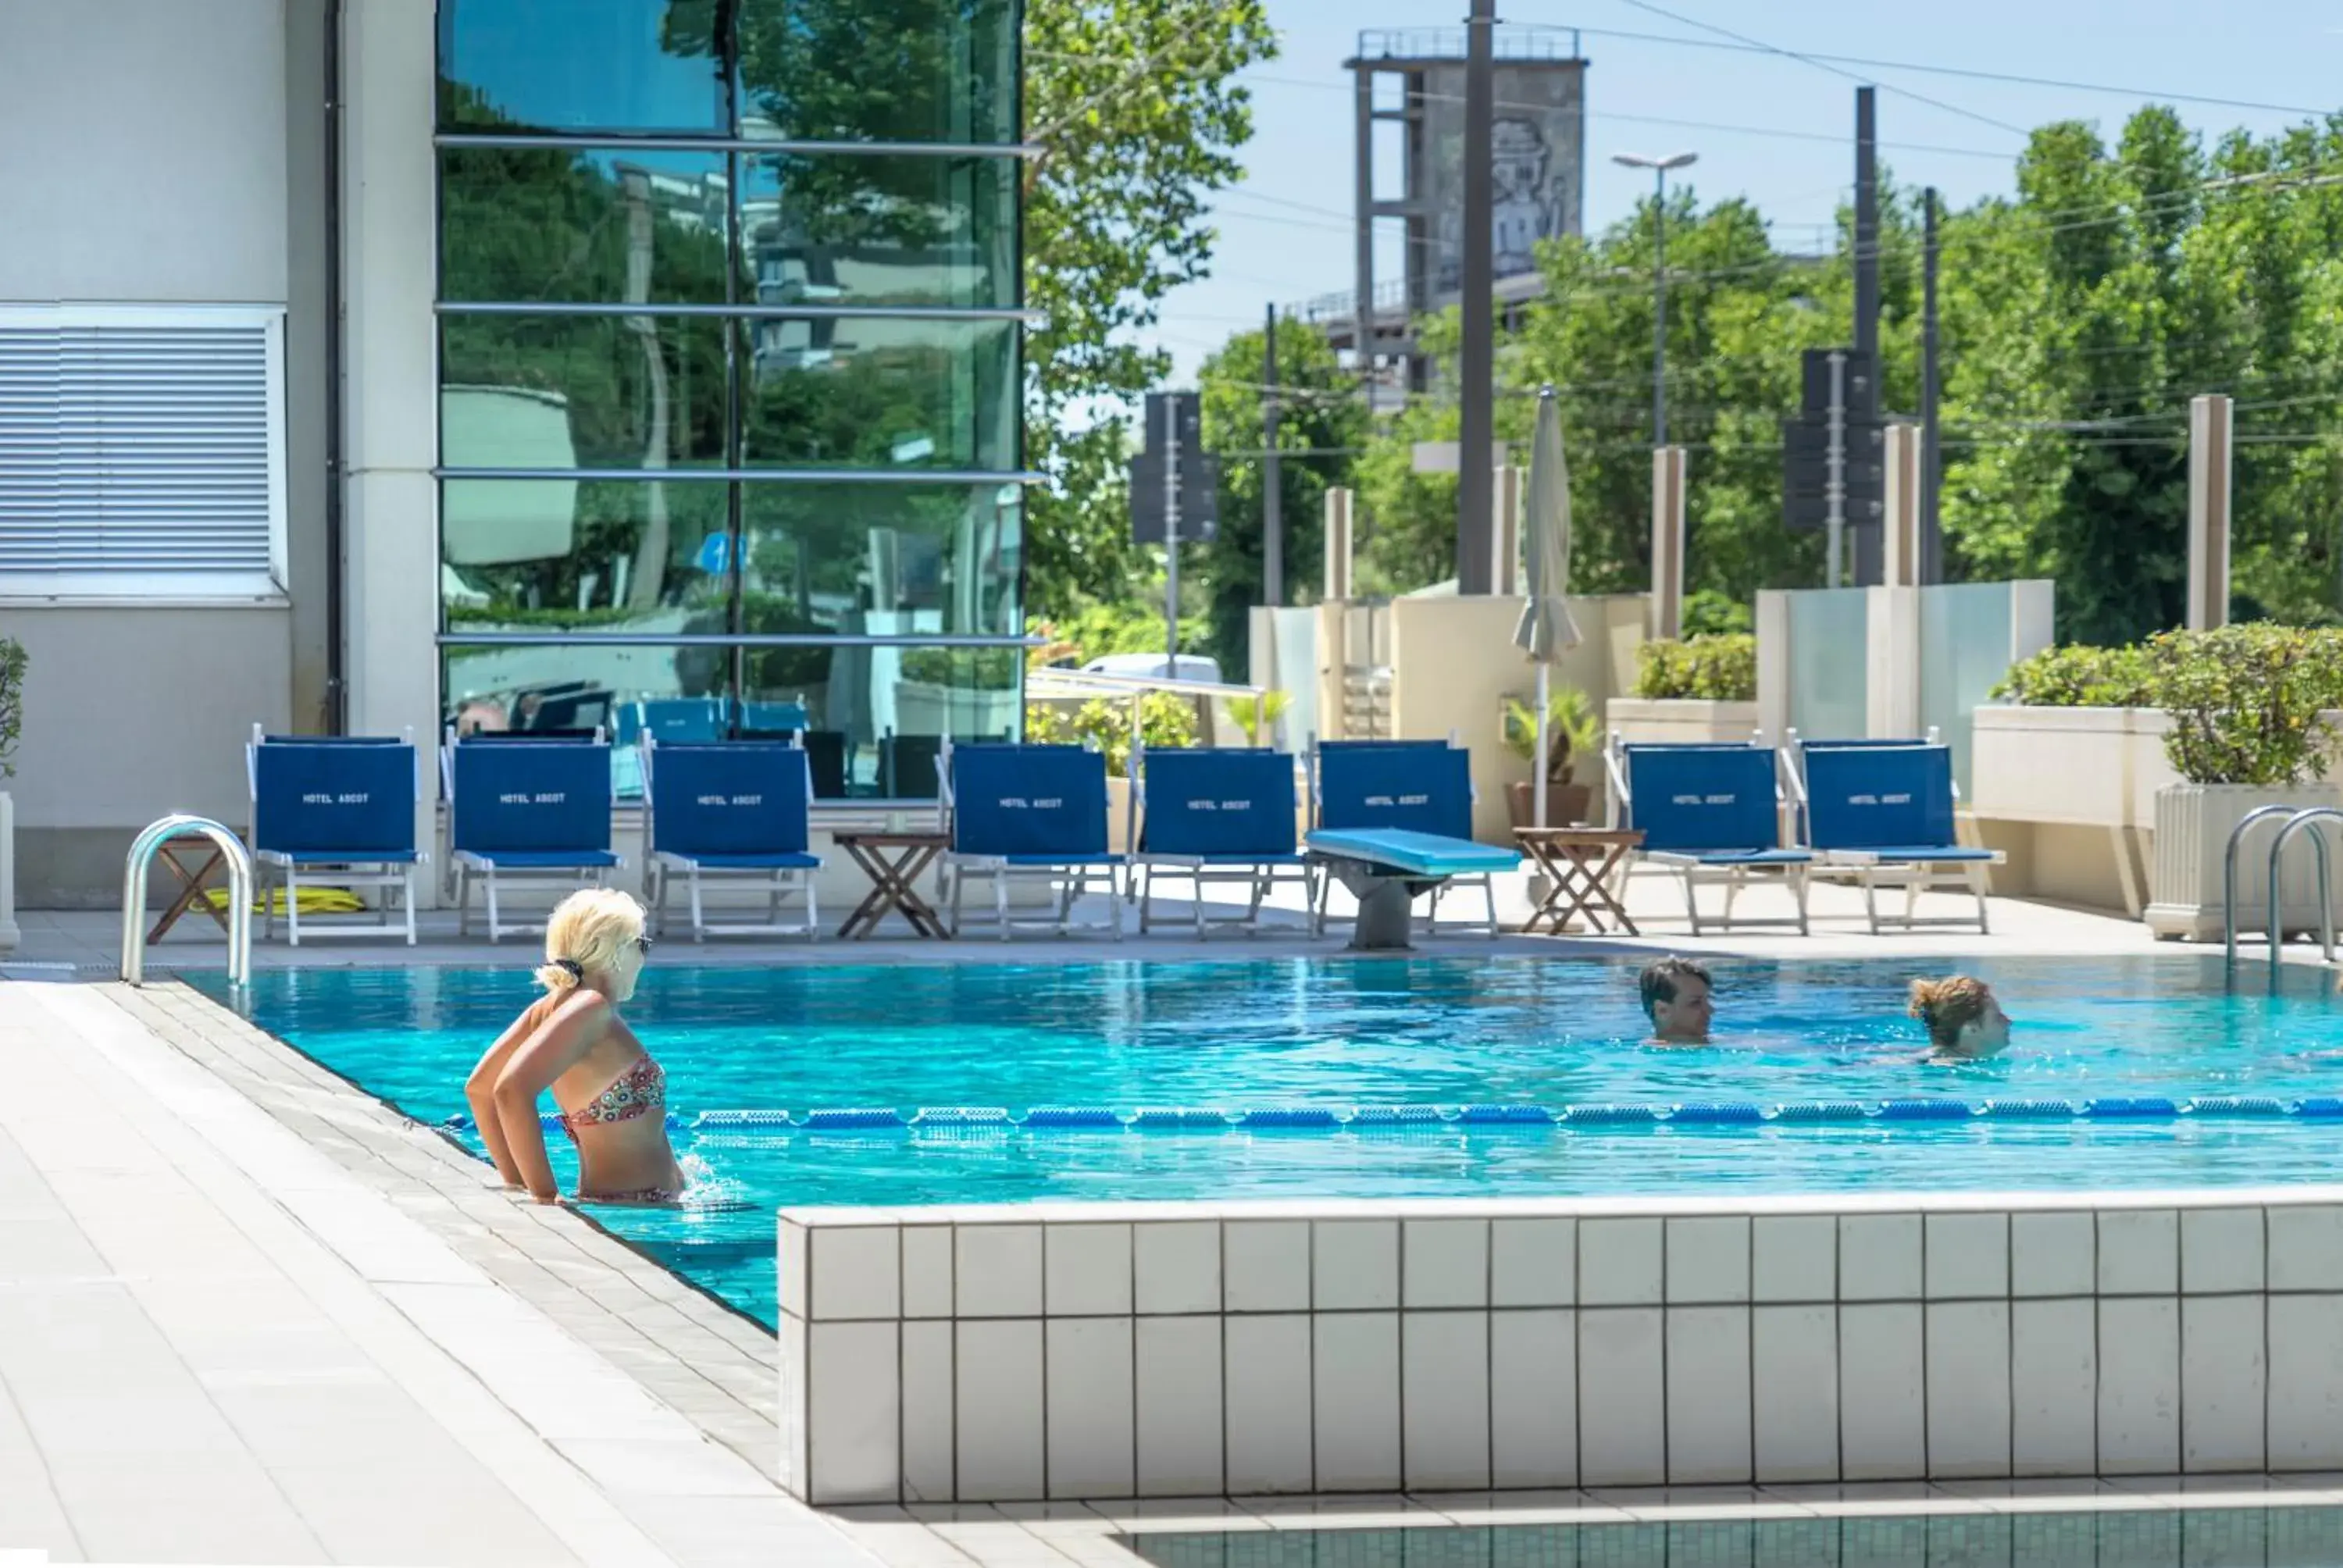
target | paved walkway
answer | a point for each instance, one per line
(219, 1343)
(88, 941)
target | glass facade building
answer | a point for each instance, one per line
(731, 357)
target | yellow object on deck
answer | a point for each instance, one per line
(314, 900)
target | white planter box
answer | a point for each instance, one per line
(1641, 718)
(2193, 822)
(9, 935)
(2077, 767)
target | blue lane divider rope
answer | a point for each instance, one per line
(1334, 1118)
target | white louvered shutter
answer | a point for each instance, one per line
(141, 451)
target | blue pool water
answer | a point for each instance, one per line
(1345, 1032)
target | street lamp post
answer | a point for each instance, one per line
(1659, 167)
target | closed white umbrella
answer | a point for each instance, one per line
(1546, 631)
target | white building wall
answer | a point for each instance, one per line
(144, 153)
(144, 150)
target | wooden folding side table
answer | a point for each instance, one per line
(893, 862)
(193, 859)
(1578, 864)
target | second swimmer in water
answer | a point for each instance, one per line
(1965, 1022)
(571, 1042)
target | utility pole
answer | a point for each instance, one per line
(1272, 498)
(1932, 537)
(1172, 537)
(1869, 565)
(1476, 373)
(1835, 490)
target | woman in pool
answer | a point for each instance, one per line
(571, 1041)
(1965, 1022)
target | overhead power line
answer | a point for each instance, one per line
(1821, 64)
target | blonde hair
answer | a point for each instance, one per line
(1949, 1005)
(588, 930)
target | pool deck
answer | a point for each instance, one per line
(248, 1315)
(89, 941)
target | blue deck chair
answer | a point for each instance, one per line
(1406, 806)
(340, 810)
(1883, 816)
(520, 811)
(1029, 813)
(1794, 768)
(1216, 814)
(1710, 813)
(733, 811)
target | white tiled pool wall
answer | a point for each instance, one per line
(1008, 1354)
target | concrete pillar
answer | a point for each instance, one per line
(1338, 546)
(1892, 694)
(1667, 541)
(1506, 541)
(1772, 664)
(2209, 425)
(1901, 520)
(391, 381)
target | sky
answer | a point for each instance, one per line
(1285, 233)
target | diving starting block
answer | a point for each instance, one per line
(1385, 868)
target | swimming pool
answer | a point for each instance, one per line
(1329, 1036)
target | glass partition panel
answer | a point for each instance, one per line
(877, 70)
(878, 229)
(550, 555)
(882, 557)
(1964, 641)
(882, 394)
(602, 391)
(521, 223)
(572, 66)
(1830, 634)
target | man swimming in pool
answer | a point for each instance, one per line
(571, 1042)
(1676, 994)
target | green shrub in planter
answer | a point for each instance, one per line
(1166, 722)
(12, 701)
(2080, 677)
(1722, 668)
(2246, 701)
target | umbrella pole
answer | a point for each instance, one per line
(1538, 788)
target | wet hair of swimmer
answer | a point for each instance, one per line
(1662, 985)
(1962, 1017)
(595, 930)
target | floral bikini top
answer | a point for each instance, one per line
(639, 1091)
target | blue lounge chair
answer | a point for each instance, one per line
(734, 811)
(1396, 820)
(525, 811)
(339, 810)
(1883, 815)
(1213, 814)
(1029, 813)
(1709, 813)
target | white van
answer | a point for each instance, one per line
(1192, 667)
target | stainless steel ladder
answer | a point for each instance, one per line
(239, 893)
(2296, 820)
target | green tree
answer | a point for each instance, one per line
(1138, 119)
(1321, 415)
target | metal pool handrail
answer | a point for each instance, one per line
(2309, 819)
(133, 894)
(2229, 882)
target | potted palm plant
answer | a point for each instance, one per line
(1573, 728)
